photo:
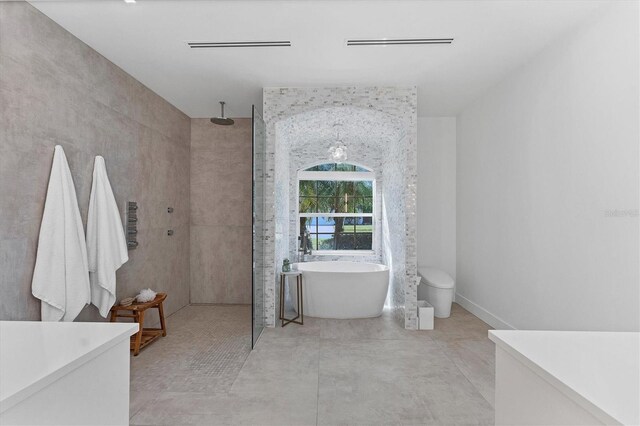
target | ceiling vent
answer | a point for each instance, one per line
(212, 44)
(397, 41)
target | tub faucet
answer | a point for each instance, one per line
(305, 245)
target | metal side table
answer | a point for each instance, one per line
(283, 281)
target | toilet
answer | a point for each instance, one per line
(437, 288)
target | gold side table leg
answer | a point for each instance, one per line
(284, 320)
(301, 303)
(282, 284)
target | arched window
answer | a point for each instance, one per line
(336, 204)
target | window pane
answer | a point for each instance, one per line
(344, 167)
(331, 196)
(326, 224)
(314, 241)
(325, 242)
(309, 223)
(349, 221)
(341, 225)
(332, 167)
(327, 205)
(307, 188)
(308, 205)
(345, 188)
(363, 205)
(363, 241)
(327, 167)
(344, 204)
(326, 188)
(336, 233)
(364, 188)
(364, 224)
(345, 241)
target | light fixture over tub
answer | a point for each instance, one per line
(338, 151)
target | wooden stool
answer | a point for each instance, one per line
(144, 336)
(283, 280)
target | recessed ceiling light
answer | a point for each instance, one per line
(130, 1)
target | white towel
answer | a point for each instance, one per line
(106, 245)
(61, 278)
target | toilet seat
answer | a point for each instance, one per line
(436, 278)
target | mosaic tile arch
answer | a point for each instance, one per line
(379, 126)
(306, 138)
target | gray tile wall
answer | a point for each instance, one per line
(221, 212)
(54, 89)
(399, 161)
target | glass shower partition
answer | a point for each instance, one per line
(259, 149)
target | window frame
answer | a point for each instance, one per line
(338, 176)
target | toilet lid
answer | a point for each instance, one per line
(436, 277)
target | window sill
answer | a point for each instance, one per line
(343, 253)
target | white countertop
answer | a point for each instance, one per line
(35, 354)
(598, 370)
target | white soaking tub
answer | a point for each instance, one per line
(338, 289)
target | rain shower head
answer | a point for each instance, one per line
(222, 120)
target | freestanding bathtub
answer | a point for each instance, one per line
(338, 289)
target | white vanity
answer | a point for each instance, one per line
(567, 377)
(64, 373)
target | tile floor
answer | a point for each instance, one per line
(327, 372)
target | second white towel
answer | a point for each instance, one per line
(106, 243)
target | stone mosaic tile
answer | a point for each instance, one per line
(379, 127)
(204, 350)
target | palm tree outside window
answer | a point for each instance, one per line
(336, 205)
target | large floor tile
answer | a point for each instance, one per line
(327, 372)
(311, 328)
(383, 327)
(461, 325)
(476, 360)
(282, 366)
(394, 382)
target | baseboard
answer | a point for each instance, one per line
(486, 316)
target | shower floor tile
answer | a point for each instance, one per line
(326, 372)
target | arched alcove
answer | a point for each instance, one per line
(305, 138)
(379, 133)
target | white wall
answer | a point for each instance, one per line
(436, 214)
(542, 158)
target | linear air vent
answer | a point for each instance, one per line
(397, 41)
(211, 44)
